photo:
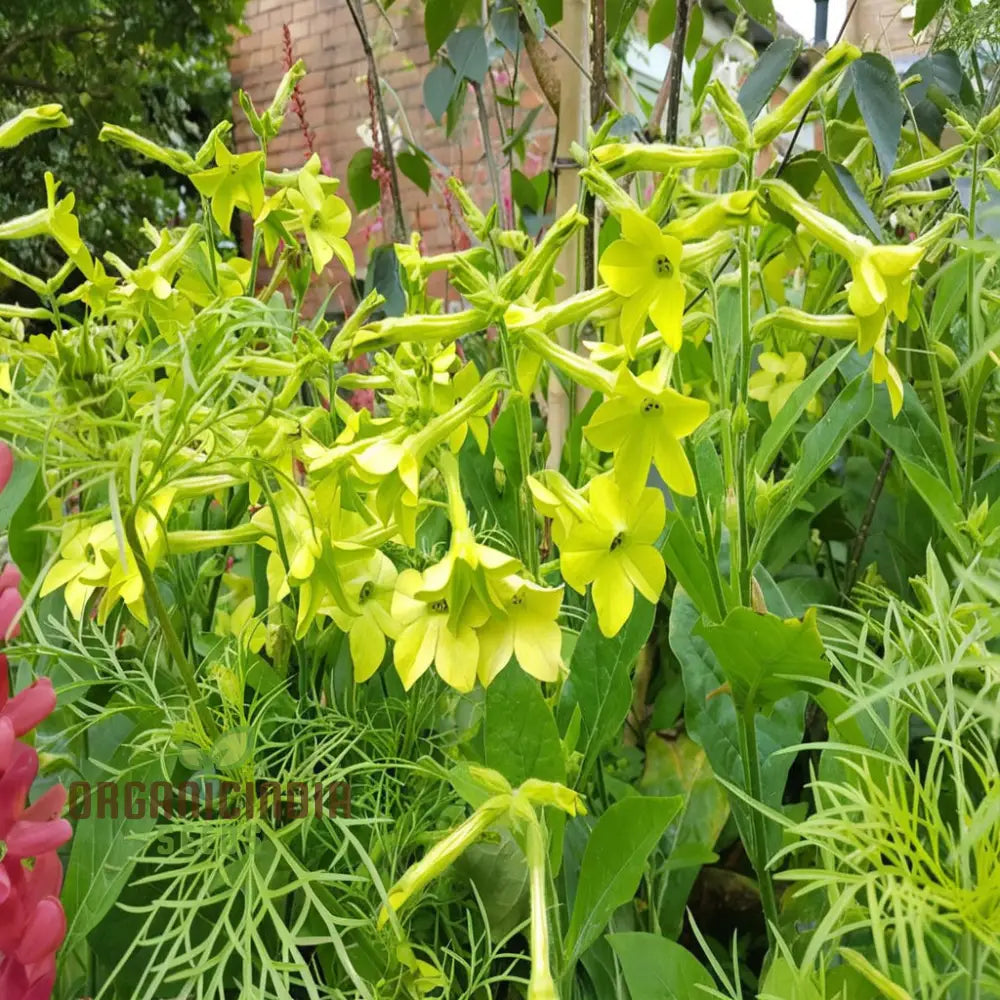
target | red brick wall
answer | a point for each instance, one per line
(337, 102)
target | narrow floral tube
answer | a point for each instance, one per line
(837, 59)
(660, 157)
(443, 853)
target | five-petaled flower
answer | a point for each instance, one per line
(644, 267)
(613, 547)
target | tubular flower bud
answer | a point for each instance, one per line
(176, 159)
(30, 121)
(777, 121)
(440, 857)
(660, 157)
(428, 328)
(731, 113)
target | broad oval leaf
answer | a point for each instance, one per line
(613, 863)
(765, 658)
(876, 88)
(766, 76)
(657, 968)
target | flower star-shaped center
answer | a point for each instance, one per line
(366, 591)
(617, 541)
(663, 266)
(316, 221)
(440, 607)
(517, 600)
(651, 406)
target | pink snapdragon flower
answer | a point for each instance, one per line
(32, 920)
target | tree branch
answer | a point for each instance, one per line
(399, 221)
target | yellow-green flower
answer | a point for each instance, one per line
(451, 394)
(236, 181)
(779, 376)
(124, 581)
(370, 587)
(426, 637)
(325, 220)
(645, 421)
(30, 121)
(84, 563)
(883, 276)
(527, 629)
(56, 220)
(614, 549)
(644, 267)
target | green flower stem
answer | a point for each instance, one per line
(186, 542)
(158, 610)
(457, 513)
(522, 425)
(941, 409)
(742, 567)
(746, 720)
(974, 392)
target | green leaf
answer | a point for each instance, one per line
(762, 11)
(782, 425)
(26, 545)
(520, 734)
(551, 9)
(678, 766)
(504, 21)
(703, 72)
(440, 20)
(468, 54)
(710, 718)
(600, 679)
(384, 277)
(416, 167)
(503, 435)
(104, 852)
(686, 560)
(696, 28)
(656, 968)
(819, 448)
(927, 10)
(520, 134)
(771, 68)
(364, 189)
(765, 658)
(17, 488)
(613, 863)
(847, 187)
(662, 20)
(876, 88)
(439, 86)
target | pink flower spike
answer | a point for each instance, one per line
(10, 577)
(29, 707)
(28, 839)
(7, 739)
(10, 608)
(48, 806)
(6, 464)
(4, 885)
(44, 932)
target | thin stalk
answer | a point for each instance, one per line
(941, 409)
(676, 71)
(864, 529)
(374, 81)
(974, 394)
(754, 784)
(744, 568)
(522, 425)
(158, 610)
